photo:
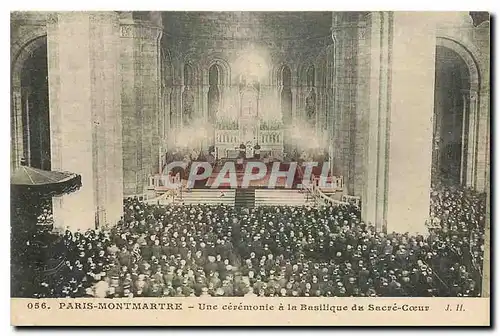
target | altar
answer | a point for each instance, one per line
(248, 126)
(227, 144)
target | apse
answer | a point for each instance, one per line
(252, 65)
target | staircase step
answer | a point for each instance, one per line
(206, 196)
(267, 197)
(245, 198)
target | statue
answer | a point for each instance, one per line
(188, 105)
(311, 106)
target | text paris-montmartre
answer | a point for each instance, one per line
(120, 305)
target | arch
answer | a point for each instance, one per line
(191, 59)
(467, 56)
(311, 75)
(23, 54)
(286, 97)
(215, 78)
(224, 70)
(20, 55)
(465, 134)
(303, 71)
(279, 74)
(187, 75)
(214, 75)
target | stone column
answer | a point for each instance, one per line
(17, 151)
(437, 133)
(378, 46)
(205, 102)
(206, 114)
(410, 130)
(167, 110)
(26, 131)
(472, 141)
(463, 161)
(486, 279)
(319, 110)
(176, 101)
(294, 103)
(84, 98)
(140, 64)
(399, 145)
(483, 141)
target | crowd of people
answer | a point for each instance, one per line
(217, 250)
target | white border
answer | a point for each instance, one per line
(310, 5)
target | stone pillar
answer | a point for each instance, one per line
(294, 103)
(376, 116)
(472, 140)
(206, 115)
(399, 145)
(463, 161)
(437, 133)
(319, 111)
(486, 278)
(176, 101)
(205, 102)
(140, 62)
(85, 118)
(410, 130)
(483, 141)
(167, 93)
(16, 127)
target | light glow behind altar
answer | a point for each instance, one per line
(305, 137)
(249, 111)
(192, 136)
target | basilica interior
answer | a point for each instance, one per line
(395, 105)
(392, 100)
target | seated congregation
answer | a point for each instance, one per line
(217, 250)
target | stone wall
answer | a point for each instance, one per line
(140, 92)
(296, 40)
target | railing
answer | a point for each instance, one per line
(333, 183)
(435, 275)
(354, 200)
(271, 137)
(320, 197)
(227, 137)
(140, 197)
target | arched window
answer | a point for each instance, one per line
(286, 94)
(188, 75)
(311, 76)
(286, 76)
(214, 77)
(187, 95)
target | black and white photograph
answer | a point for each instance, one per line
(249, 155)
